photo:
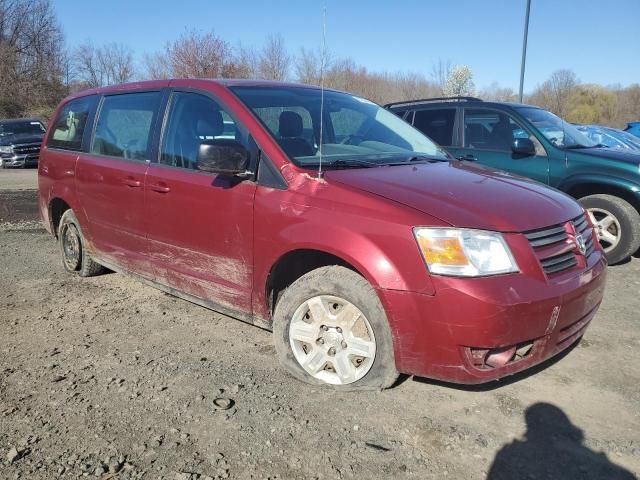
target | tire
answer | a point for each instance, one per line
(617, 224)
(75, 258)
(355, 327)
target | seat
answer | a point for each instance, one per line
(501, 136)
(290, 132)
(475, 135)
(197, 122)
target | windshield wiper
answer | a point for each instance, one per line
(577, 146)
(350, 163)
(419, 159)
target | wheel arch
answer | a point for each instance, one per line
(580, 187)
(57, 206)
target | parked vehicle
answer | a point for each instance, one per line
(20, 141)
(368, 253)
(610, 137)
(532, 142)
(633, 128)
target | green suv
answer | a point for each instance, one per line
(535, 143)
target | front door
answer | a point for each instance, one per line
(110, 178)
(487, 138)
(199, 225)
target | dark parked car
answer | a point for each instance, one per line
(394, 259)
(532, 142)
(20, 141)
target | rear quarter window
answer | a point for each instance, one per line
(70, 124)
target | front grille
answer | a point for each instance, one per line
(27, 149)
(555, 249)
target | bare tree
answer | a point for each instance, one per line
(31, 43)
(440, 73)
(199, 55)
(555, 93)
(308, 65)
(105, 65)
(275, 61)
(497, 93)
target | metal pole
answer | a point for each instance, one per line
(524, 48)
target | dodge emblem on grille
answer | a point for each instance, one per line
(581, 244)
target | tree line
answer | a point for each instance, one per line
(37, 70)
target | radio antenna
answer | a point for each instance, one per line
(322, 67)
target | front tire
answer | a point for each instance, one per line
(330, 328)
(617, 224)
(75, 257)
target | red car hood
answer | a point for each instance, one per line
(465, 195)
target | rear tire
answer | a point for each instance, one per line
(617, 225)
(340, 331)
(75, 258)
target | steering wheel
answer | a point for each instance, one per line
(349, 139)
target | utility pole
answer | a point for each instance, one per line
(524, 48)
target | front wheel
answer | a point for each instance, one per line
(330, 328)
(617, 225)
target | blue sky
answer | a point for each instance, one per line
(599, 40)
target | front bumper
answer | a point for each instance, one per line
(19, 160)
(436, 336)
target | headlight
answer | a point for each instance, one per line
(464, 253)
(6, 149)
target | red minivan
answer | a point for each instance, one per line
(319, 215)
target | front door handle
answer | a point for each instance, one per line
(132, 182)
(468, 157)
(160, 188)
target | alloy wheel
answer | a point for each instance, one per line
(607, 228)
(332, 340)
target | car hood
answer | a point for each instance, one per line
(20, 138)
(465, 195)
(627, 156)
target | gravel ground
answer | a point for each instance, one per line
(107, 378)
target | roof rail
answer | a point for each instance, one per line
(434, 99)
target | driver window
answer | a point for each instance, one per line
(491, 130)
(346, 123)
(124, 125)
(193, 119)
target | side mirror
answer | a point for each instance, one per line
(523, 147)
(224, 156)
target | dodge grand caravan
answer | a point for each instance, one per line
(366, 248)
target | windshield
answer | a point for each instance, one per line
(22, 127)
(556, 130)
(355, 131)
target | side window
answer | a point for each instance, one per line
(490, 130)
(68, 127)
(124, 125)
(193, 119)
(437, 124)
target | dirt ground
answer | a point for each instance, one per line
(108, 378)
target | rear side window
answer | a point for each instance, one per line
(69, 126)
(124, 125)
(437, 124)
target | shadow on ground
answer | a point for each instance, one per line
(553, 448)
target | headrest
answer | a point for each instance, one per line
(290, 124)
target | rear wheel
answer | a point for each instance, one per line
(330, 328)
(617, 225)
(75, 258)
